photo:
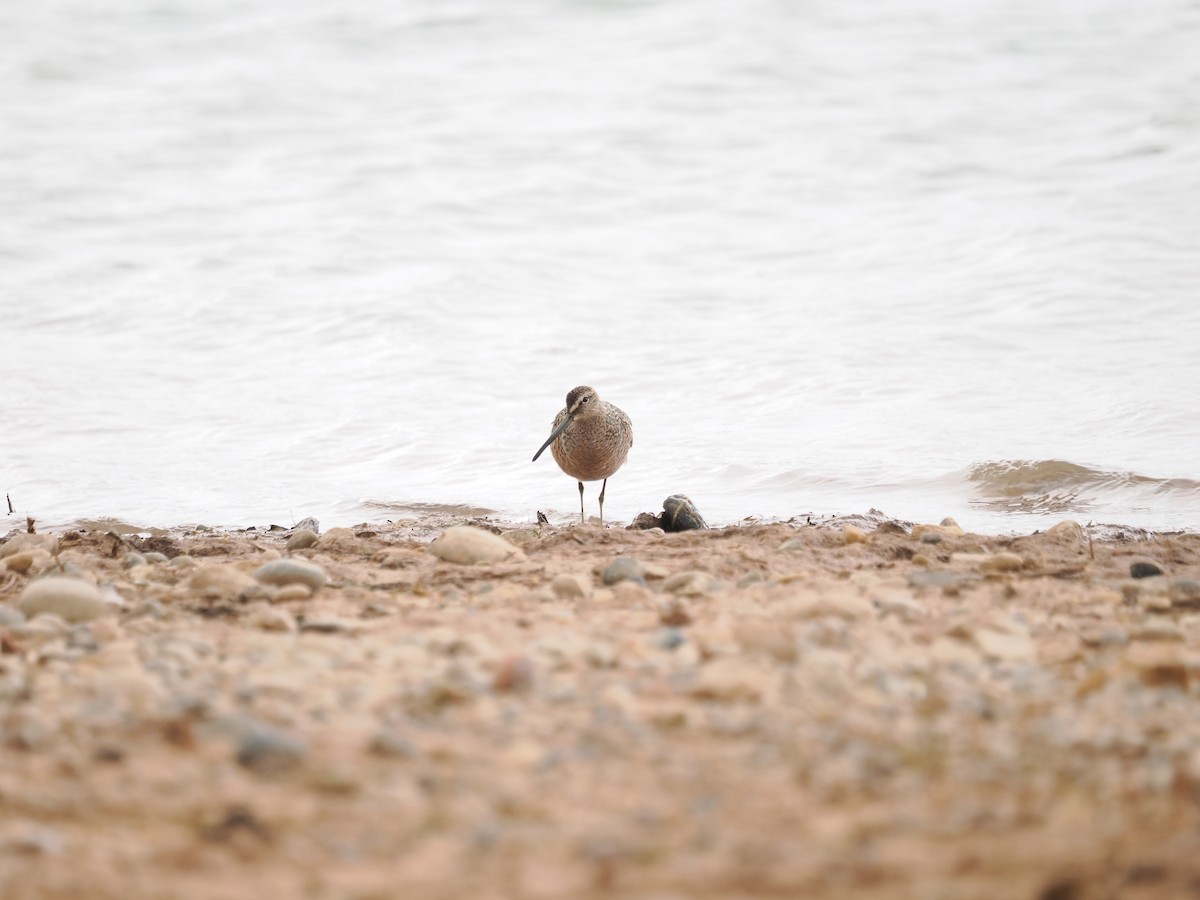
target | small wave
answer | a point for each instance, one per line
(419, 510)
(1058, 486)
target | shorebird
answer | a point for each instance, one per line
(590, 439)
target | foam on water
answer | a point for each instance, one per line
(302, 258)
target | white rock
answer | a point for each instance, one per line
(292, 571)
(74, 600)
(472, 546)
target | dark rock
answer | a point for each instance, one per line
(645, 521)
(680, 514)
(624, 568)
(1144, 569)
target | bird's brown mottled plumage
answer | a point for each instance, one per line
(590, 439)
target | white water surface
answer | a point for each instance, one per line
(335, 258)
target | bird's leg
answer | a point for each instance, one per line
(581, 519)
(602, 487)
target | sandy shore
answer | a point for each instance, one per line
(759, 711)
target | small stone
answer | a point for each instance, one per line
(949, 522)
(670, 638)
(132, 560)
(292, 571)
(182, 562)
(466, 545)
(268, 618)
(10, 617)
(673, 611)
(1144, 569)
(268, 751)
(302, 540)
(1066, 531)
(645, 521)
(1002, 562)
(336, 538)
(74, 600)
(291, 592)
(21, 542)
(931, 537)
(19, 562)
(513, 674)
(621, 569)
(943, 530)
(1184, 593)
(690, 584)
(680, 514)
(853, 535)
(947, 581)
(902, 606)
(1004, 645)
(153, 556)
(569, 587)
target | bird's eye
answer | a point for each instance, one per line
(586, 399)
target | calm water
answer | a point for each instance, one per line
(264, 260)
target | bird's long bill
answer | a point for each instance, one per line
(550, 440)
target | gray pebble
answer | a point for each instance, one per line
(670, 638)
(153, 556)
(935, 580)
(134, 559)
(624, 568)
(302, 540)
(267, 750)
(292, 571)
(931, 537)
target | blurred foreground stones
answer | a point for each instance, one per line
(855, 709)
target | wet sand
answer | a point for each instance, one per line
(848, 709)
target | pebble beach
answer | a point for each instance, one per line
(439, 708)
